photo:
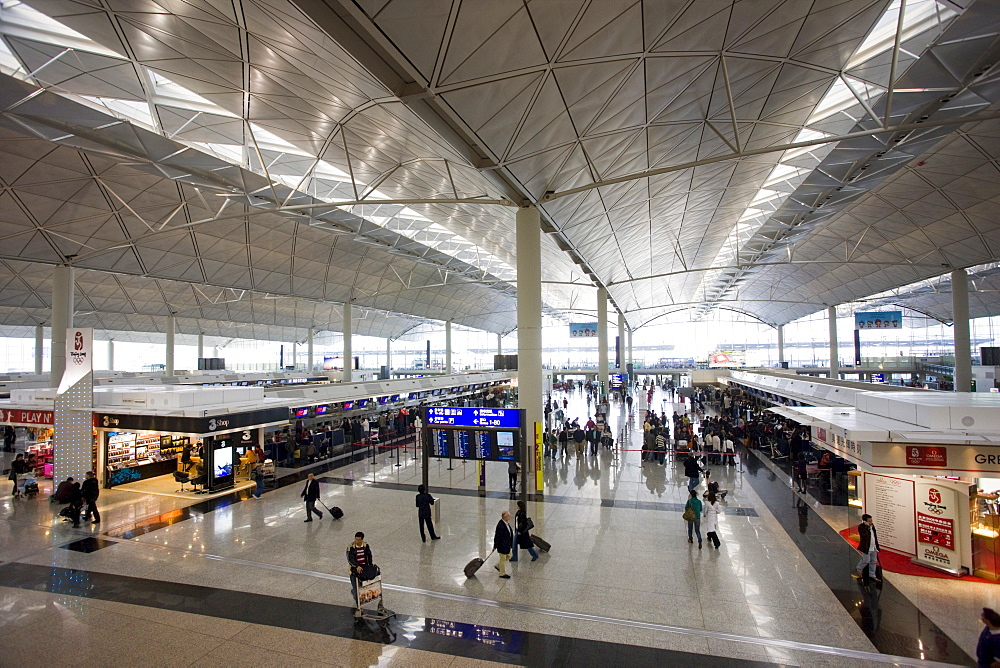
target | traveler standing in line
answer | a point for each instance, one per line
(694, 505)
(90, 491)
(988, 647)
(869, 548)
(712, 520)
(311, 494)
(424, 503)
(512, 474)
(503, 543)
(522, 525)
(692, 471)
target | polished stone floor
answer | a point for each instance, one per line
(171, 581)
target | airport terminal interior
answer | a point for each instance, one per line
(701, 292)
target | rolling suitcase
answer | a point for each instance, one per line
(540, 544)
(476, 564)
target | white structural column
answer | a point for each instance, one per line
(960, 327)
(529, 331)
(39, 348)
(63, 299)
(447, 346)
(499, 343)
(309, 350)
(111, 354)
(629, 357)
(171, 329)
(831, 315)
(388, 354)
(348, 354)
(201, 345)
(781, 344)
(602, 338)
(295, 354)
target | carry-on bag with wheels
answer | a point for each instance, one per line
(476, 564)
(540, 544)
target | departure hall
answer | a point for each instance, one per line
(585, 332)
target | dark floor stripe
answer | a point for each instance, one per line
(432, 635)
(889, 619)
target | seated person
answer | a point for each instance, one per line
(64, 491)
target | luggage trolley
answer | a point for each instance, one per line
(370, 591)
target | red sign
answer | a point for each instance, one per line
(16, 416)
(926, 455)
(936, 531)
(821, 434)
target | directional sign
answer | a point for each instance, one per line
(490, 418)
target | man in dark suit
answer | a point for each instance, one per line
(503, 543)
(869, 548)
(311, 494)
(91, 490)
(424, 503)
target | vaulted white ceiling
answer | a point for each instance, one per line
(193, 143)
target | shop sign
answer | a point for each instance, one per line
(889, 500)
(924, 455)
(190, 425)
(16, 416)
(937, 507)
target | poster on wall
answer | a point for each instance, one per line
(937, 508)
(584, 330)
(878, 320)
(889, 500)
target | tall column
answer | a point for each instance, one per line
(602, 337)
(309, 350)
(831, 316)
(447, 346)
(171, 329)
(621, 342)
(63, 299)
(960, 325)
(348, 355)
(201, 345)
(529, 336)
(111, 354)
(781, 345)
(388, 354)
(39, 348)
(628, 357)
(499, 343)
(295, 354)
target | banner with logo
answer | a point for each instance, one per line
(937, 518)
(79, 356)
(878, 320)
(584, 330)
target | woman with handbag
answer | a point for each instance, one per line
(692, 515)
(522, 539)
(712, 511)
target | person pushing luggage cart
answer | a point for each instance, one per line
(366, 580)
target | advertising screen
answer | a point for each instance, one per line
(322, 410)
(505, 445)
(348, 405)
(301, 412)
(362, 403)
(484, 445)
(394, 398)
(222, 462)
(462, 446)
(383, 401)
(441, 443)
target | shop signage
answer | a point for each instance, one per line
(191, 425)
(889, 500)
(16, 416)
(927, 455)
(937, 508)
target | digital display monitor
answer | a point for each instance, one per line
(413, 395)
(383, 401)
(441, 443)
(348, 405)
(505, 446)
(394, 398)
(462, 445)
(244, 383)
(222, 461)
(322, 410)
(456, 389)
(436, 392)
(301, 412)
(484, 444)
(362, 403)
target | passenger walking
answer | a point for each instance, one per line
(503, 543)
(257, 475)
(522, 525)
(869, 548)
(359, 557)
(90, 490)
(512, 475)
(692, 514)
(693, 471)
(988, 647)
(18, 467)
(311, 494)
(801, 474)
(712, 520)
(424, 503)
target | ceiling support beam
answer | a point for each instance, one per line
(895, 62)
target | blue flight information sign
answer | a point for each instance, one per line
(496, 418)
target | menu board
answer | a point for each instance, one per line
(889, 500)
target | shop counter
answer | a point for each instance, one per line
(137, 471)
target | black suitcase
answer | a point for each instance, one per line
(473, 566)
(540, 544)
(336, 512)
